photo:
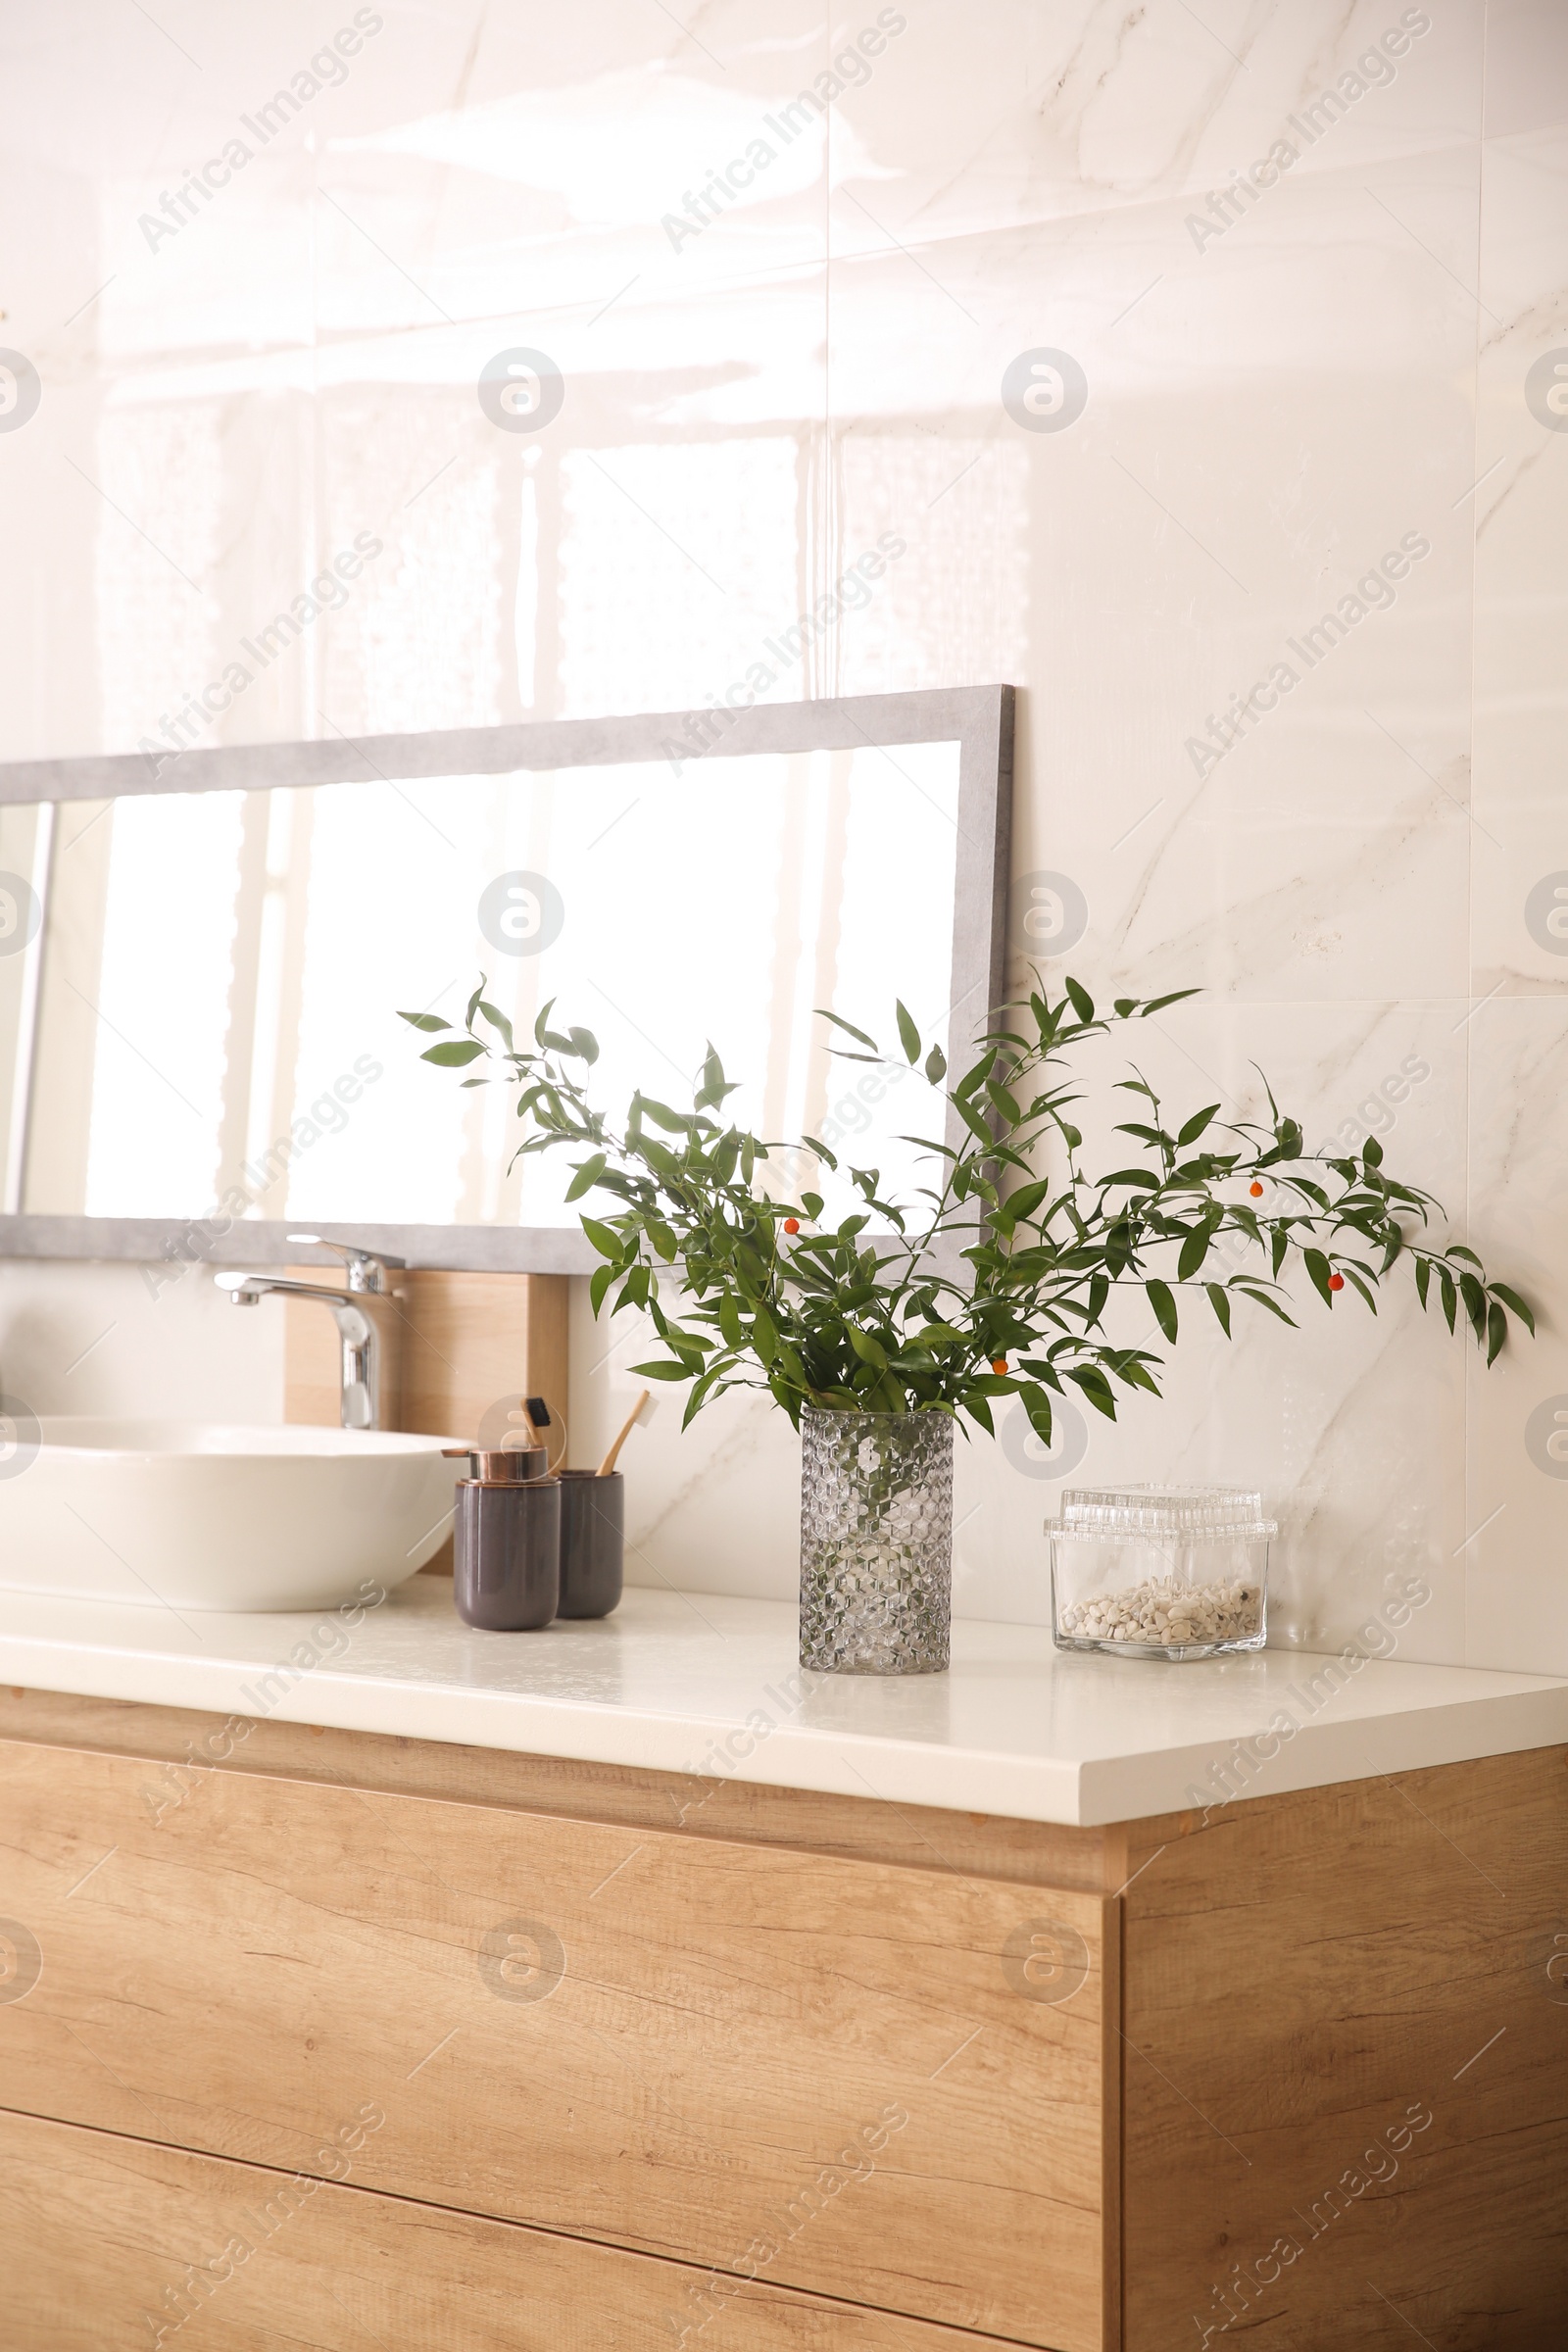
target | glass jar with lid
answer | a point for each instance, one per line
(1160, 1571)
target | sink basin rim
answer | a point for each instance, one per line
(219, 1515)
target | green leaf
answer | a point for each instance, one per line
(765, 1334)
(1423, 1277)
(1083, 1003)
(936, 1065)
(497, 1020)
(714, 1087)
(608, 1243)
(1219, 1301)
(1175, 996)
(687, 1343)
(673, 1122)
(1319, 1270)
(1096, 1387)
(1475, 1303)
(584, 1044)
(587, 1176)
(1164, 1306)
(599, 1283)
(975, 1077)
(424, 1020)
(663, 1371)
(1037, 1404)
(847, 1027)
(1194, 1251)
(909, 1035)
(870, 1351)
(1496, 1333)
(453, 1053)
(700, 1390)
(729, 1321)
(1512, 1301)
(1264, 1300)
(1195, 1125)
(1450, 1298)
(973, 1121)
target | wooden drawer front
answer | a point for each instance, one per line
(109, 2241)
(1347, 2085)
(871, 2081)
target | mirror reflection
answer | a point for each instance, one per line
(199, 992)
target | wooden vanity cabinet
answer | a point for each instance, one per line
(340, 2039)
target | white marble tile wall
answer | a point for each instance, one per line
(1310, 266)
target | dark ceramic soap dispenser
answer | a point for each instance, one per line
(505, 1541)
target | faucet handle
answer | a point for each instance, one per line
(365, 1268)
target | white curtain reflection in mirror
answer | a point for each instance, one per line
(164, 989)
(216, 1021)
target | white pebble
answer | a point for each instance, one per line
(1163, 1614)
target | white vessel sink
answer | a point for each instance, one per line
(209, 1516)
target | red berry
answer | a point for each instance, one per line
(792, 1224)
(999, 1363)
(1336, 1282)
(1256, 1190)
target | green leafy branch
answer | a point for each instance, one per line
(994, 1281)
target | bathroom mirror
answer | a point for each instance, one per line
(203, 958)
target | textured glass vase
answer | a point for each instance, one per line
(876, 1541)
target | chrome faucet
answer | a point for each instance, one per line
(368, 1323)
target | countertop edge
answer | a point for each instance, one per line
(1323, 1756)
(571, 1731)
(1076, 1793)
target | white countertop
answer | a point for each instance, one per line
(1015, 1728)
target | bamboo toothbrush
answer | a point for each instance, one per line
(643, 1411)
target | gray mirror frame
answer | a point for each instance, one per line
(979, 718)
